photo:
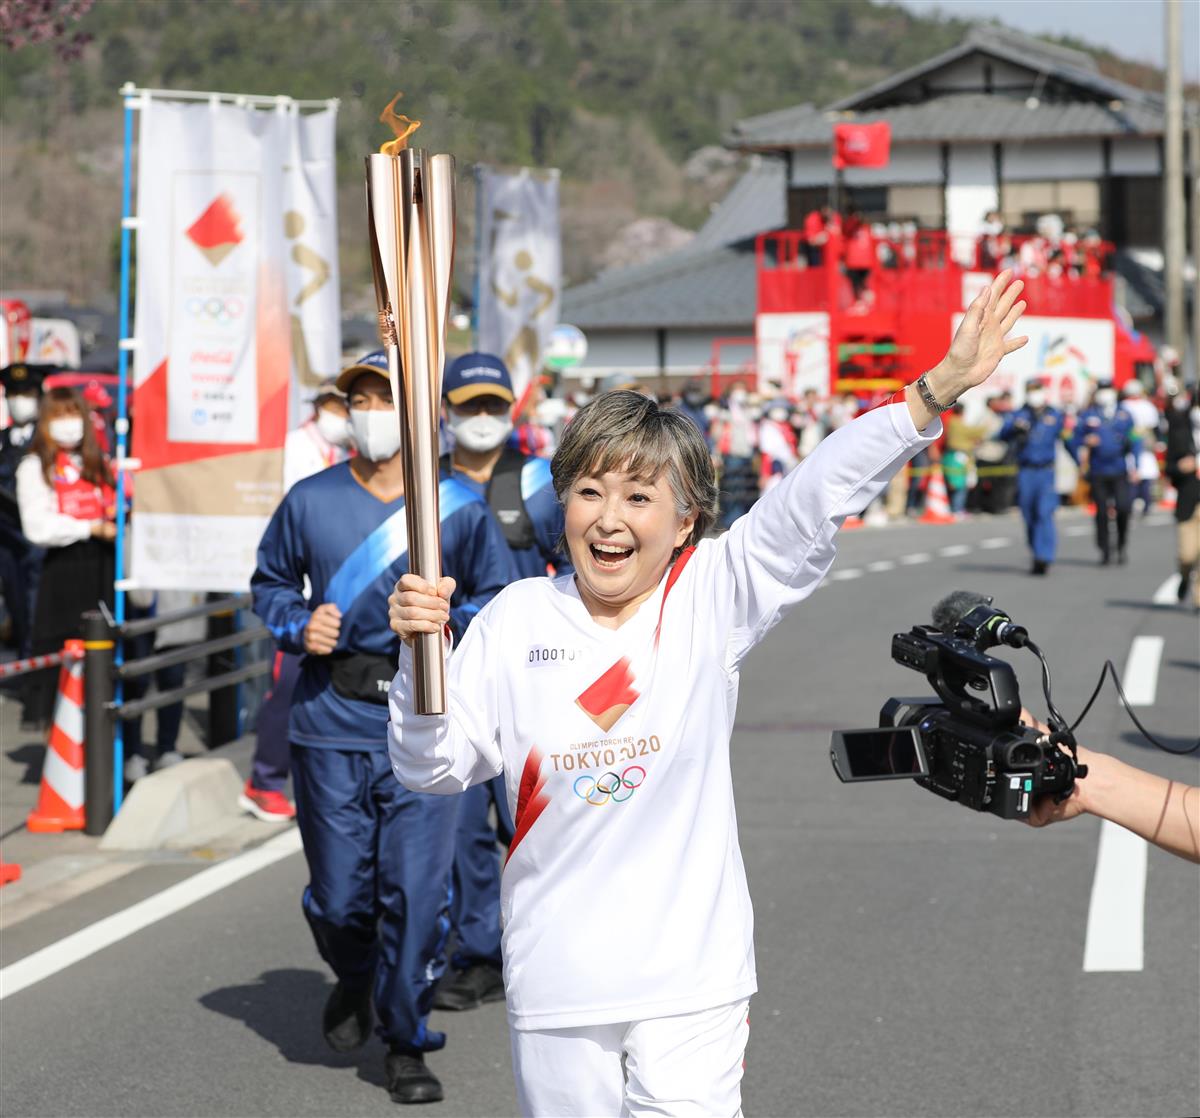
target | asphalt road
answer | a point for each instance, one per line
(914, 958)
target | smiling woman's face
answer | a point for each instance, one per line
(621, 532)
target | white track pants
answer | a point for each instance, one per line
(689, 1066)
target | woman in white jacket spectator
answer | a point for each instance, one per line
(68, 506)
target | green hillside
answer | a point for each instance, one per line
(616, 93)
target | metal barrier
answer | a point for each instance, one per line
(101, 711)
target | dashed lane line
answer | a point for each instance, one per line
(1117, 909)
(1140, 679)
(846, 574)
(1116, 926)
(1168, 593)
(74, 948)
(881, 565)
(915, 558)
(1078, 530)
(992, 543)
(951, 550)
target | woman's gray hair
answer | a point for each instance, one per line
(627, 432)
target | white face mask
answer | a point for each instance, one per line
(1035, 399)
(333, 428)
(67, 431)
(23, 409)
(1106, 401)
(480, 433)
(377, 433)
(778, 414)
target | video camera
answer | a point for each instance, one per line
(967, 743)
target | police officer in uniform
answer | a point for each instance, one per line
(20, 561)
(478, 396)
(1103, 437)
(1034, 430)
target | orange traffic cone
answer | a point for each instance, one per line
(1170, 498)
(9, 872)
(60, 802)
(937, 500)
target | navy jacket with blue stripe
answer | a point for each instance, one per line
(353, 547)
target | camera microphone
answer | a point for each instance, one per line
(966, 613)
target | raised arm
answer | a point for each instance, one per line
(778, 553)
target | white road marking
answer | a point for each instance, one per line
(1168, 593)
(846, 575)
(66, 952)
(1117, 910)
(953, 549)
(1140, 679)
(915, 558)
(1078, 530)
(881, 565)
(993, 542)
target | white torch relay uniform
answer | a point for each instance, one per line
(624, 897)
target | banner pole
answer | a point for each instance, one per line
(122, 431)
(478, 256)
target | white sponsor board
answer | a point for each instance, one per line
(1067, 354)
(793, 352)
(181, 552)
(520, 268)
(53, 341)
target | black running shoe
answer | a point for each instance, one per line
(470, 988)
(347, 1019)
(409, 1080)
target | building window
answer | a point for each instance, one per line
(922, 204)
(1076, 201)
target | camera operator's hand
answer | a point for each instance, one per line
(1163, 812)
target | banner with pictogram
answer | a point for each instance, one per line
(236, 322)
(520, 268)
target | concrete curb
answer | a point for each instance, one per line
(166, 807)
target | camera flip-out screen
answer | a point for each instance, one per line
(880, 753)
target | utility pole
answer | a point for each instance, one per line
(1194, 144)
(1173, 232)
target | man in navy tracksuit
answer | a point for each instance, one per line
(1103, 437)
(1036, 429)
(379, 856)
(478, 394)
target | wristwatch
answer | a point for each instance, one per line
(930, 400)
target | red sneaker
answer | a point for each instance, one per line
(270, 807)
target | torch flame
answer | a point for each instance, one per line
(401, 125)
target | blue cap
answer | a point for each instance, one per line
(376, 362)
(476, 374)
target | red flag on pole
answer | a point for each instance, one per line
(862, 145)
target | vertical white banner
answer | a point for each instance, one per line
(311, 263)
(236, 260)
(520, 268)
(212, 383)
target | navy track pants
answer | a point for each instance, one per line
(272, 752)
(379, 860)
(475, 910)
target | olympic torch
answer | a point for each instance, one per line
(410, 214)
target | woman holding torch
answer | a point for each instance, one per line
(607, 698)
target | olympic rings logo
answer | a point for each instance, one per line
(599, 791)
(214, 307)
